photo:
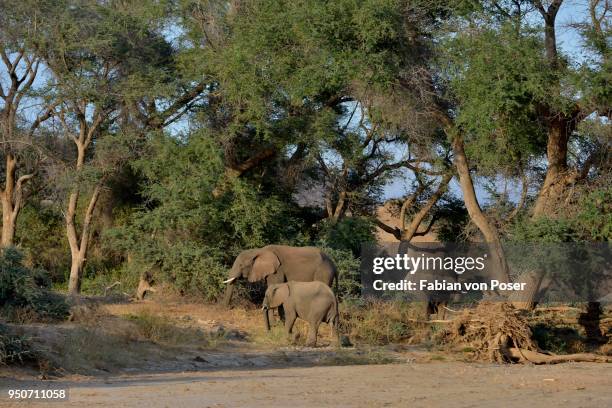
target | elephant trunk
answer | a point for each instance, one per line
(233, 275)
(228, 294)
(266, 315)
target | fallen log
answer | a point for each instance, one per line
(534, 357)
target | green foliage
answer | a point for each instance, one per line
(498, 77)
(191, 234)
(40, 231)
(349, 278)
(286, 54)
(25, 288)
(452, 218)
(195, 270)
(193, 92)
(103, 282)
(558, 340)
(592, 221)
(347, 234)
(543, 230)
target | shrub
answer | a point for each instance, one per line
(349, 279)
(127, 275)
(14, 349)
(194, 270)
(347, 234)
(41, 233)
(588, 220)
(27, 289)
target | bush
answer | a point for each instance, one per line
(349, 279)
(347, 234)
(590, 219)
(14, 349)
(127, 275)
(41, 233)
(22, 288)
(594, 220)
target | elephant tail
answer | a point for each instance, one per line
(337, 290)
(333, 317)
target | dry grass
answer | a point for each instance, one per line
(166, 331)
(110, 337)
(377, 322)
(277, 337)
(97, 339)
(85, 348)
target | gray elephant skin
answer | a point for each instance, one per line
(313, 302)
(279, 264)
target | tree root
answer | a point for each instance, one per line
(499, 333)
(535, 357)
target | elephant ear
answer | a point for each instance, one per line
(279, 295)
(266, 263)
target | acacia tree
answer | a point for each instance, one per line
(287, 95)
(513, 99)
(105, 60)
(19, 35)
(562, 119)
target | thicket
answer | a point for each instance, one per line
(25, 292)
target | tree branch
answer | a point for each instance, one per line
(396, 232)
(158, 120)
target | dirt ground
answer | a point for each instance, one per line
(118, 355)
(452, 384)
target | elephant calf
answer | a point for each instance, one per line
(311, 301)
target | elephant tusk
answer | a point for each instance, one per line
(229, 280)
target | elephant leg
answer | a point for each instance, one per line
(290, 317)
(312, 334)
(334, 329)
(281, 313)
(266, 317)
(269, 317)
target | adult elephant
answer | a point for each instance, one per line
(278, 264)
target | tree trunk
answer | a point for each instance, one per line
(76, 271)
(408, 203)
(8, 221)
(487, 229)
(526, 300)
(556, 172)
(11, 197)
(560, 125)
(79, 245)
(339, 211)
(8, 226)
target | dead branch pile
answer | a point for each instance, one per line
(499, 333)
